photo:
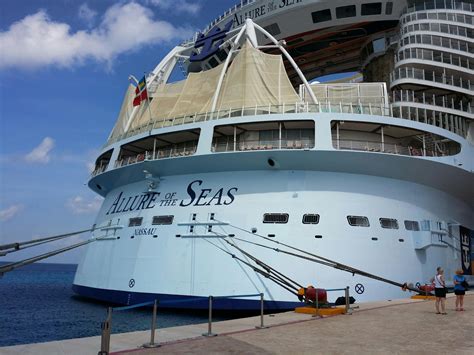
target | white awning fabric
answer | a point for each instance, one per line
(253, 79)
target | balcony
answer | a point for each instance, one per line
(432, 78)
(390, 139)
(427, 55)
(249, 145)
(381, 147)
(155, 155)
(450, 104)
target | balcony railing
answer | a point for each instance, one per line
(157, 154)
(433, 100)
(246, 145)
(437, 16)
(440, 4)
(302, 107)
(99, 170)
(449, 29)
(382, 147)
(434, 56)
(438, 41)
(428, 75)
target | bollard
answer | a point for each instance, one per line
(209, 329)
(152, 344)
(348, 309)
(106, 330)
(262, 326)
(317, 306)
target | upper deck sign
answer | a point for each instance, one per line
(466, 235)
(210, 42)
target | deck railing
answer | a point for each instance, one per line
(245, 145)
(428, 75)
(157, 154)
(433, 100)
(383, 147)
(300, 107)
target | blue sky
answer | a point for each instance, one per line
(64, 68)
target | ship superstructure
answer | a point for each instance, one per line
(377, 175)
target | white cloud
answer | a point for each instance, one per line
(40, 154)
(37, 40)
(10, 212)
(87, 14)
(177, 5)
(80, 205)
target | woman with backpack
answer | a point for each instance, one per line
(459, 289)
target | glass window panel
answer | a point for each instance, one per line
(346, 11)
(321, 16)
(371, 9)
(358, 221)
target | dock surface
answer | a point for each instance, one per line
(398, 326)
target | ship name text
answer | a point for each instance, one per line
(260, 10)
(197, 196)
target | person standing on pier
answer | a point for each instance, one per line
(440, 290)
(459, 289)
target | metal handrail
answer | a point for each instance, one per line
(431, 5)
(433, 100)
(106, 326)
(299, 107)
(430, 76)
(383, 147)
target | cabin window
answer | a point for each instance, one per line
(358, 221)
(371, 9)
(425, 225)
(135, 222)
(311, 219)
(345, 11)
(388, 223)
(321, 16)
(389, 8)
(161, 220)
(273, 29)
(275, 218)
(412, 226)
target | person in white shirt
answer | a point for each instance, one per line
(440, 290)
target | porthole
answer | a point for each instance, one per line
(388, 223)
(162, 220)
(358, 221)
(311, 219)
(412, 225)
(279, 218)
(135, 222)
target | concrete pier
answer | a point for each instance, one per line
(399, 326)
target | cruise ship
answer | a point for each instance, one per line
(205, 179)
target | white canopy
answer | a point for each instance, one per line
(253, 79)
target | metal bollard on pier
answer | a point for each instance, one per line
(348, 304)
(209, 327)
(106, 331)
(261, 326)
(152, 343)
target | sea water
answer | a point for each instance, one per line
(38, 305)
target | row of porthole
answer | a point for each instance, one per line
(355, 221)
(283, 218)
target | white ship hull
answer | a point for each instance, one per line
(174, 268)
